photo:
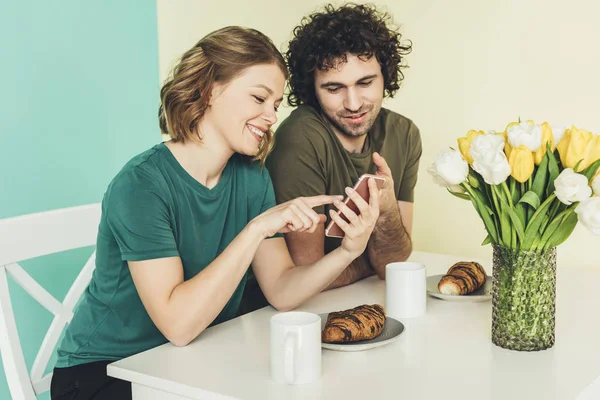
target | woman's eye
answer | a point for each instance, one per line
(259, 100)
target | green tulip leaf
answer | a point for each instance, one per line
(531, 198)
(463, 196)
(541, 176)
(592, 170)
(483, 211)
(514, 190)
(549, 231)
(508, 214)
(567, 225)
(554, 172)
(534, 223)
(487, 240)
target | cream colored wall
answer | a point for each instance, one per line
(475, 65)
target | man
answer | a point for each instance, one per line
(343, 62)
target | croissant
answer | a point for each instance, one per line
(462, 278)
(359, 323)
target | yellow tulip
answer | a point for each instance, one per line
(592, 152)
(563, 145)
(507, 149)
(547, 137)
(464, 144)
(521, 163)
(573, 147)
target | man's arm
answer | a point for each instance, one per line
(391, 238)
(390, 241)
(307, 248)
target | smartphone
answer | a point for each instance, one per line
(362, 188)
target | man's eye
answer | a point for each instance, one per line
(365, 84)
(333, 90)
(259, 100)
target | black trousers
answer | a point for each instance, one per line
(88, 381)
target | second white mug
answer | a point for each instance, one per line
(405, 290)
(295, 347)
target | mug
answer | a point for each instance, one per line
(405, 290)
(295, 347)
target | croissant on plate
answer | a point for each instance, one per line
(359, 323)
(462, 278)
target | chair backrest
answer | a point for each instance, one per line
(29, 236)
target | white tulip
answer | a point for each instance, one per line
(492, 165)
(596, 185)
(571, 187)
(588, 212)
(485, 143)
(558, 131)
(449, 170)
(525, 133)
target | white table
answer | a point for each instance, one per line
(447, 354)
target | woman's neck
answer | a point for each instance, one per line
(204, 161)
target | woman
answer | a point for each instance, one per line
(182, 221)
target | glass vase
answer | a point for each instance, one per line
(523, 299)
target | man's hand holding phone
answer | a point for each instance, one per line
(388, 195)
(363, 189)
(357, 227)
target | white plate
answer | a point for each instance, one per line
(392, 328)
(484, 293)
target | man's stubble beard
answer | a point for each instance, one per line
(357, 131)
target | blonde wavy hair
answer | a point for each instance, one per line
(218, 57)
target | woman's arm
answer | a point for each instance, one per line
(180, 309)
(286, 286)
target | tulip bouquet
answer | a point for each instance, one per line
(530, 184)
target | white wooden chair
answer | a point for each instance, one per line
(29, 236)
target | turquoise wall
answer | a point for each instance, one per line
(79, 98)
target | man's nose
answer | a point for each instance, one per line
(353, 100)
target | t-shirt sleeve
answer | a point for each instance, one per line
(139, 219)
(297, 163)
(268, 200)
(406, 191)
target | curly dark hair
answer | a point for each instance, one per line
(323, 39)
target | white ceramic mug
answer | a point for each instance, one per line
(295, 347)
(405, 290)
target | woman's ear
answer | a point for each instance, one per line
(215, 92)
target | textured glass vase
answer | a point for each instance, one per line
(524, 294)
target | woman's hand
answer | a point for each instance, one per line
(293, 216)
(359, 228)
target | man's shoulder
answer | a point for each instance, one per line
(392, 121)
(304, 122)
(396, 128)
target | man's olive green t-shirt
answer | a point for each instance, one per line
(153, 209)
(309, 159)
